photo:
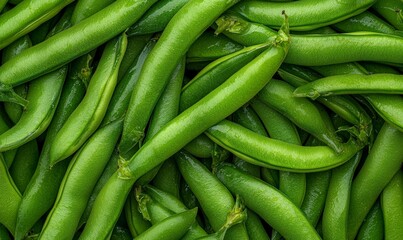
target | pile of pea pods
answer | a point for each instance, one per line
(201, 119)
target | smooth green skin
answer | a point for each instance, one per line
(269, 203)
(41, 192)
(179, 132)
(190, 21)
(73, 42)
(215, 200)
(26, 16)
(86, 8)
(135, 221)
(216, 73)
(365, 21)
(338, 69)
(373, 225)
(10, 198)
(389, 107)
(315, 195)
(210, 46)
(43, 96)
(121, 95)
(78, 184)
(168, 178)
(321, 13)
(382, 162)
(391, 203)
(335, 213)
(374, 67)
(246, 167)
(86, 118)
(156, 18)
(254, 226)
(392, 11)
(24, 164)
(172, 228)
(14, 110)
(301, 111)
(4, 234)
(379, 83)
(277, 154)
(201, 146)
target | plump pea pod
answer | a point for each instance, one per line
(215, 200)
(391, 203)
(73, 196)
(335, 213)
(216, 73)
(365, 21)
(269, 203)
(86, 8)
(43, 96)
(27, 16)
(10, 198)
(392, 11)
(41, 192)
(168, 178)
(254, 226)
(14, 110)
(209, 47)
(276, 154)
(89, 113)
(73, 42)
(201, 146)
(373, 225)
(321, 14)
(180, 131)
(382, 162)
(302, 112)
(168, 52)
(135, 221)
(156, 18)
(24, 164)
(173, 227)
(352, 84)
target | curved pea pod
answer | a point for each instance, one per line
(209, 47)
(156, 18)
(373, 225)
(173, 227)
(383, 161)
(134, 218)
(269, 203)
(365, 21)
(89, 113)
(86, 8)
(302, 112)
(10, 198)
(27, 16)
(352, 84)
(272, 153)
(321, 13)
(201, 146)
(392, 209)
(392, 11)
(63, 219)
(216, 73)
(43, 96)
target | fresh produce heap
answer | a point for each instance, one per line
(201, 119)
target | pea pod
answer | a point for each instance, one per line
(365, 21)
(373, 225)
(392, 11)
(88, 115)
(22, 18)
(168, 51)
(277, 154)
(135, 221)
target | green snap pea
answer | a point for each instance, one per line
(10, 198)
(375, 67)
(280, 155)
(168, 52)
(24, 164)
(135, 221)
(201, 146)
(85, 8)
(352, 84)
(274, 207)
(365, 21)
(373, 225)
(156, 18)
(173, 227)
(389, 107)
(73, 42)
(391, 203)
(88, 115)
(392, 11)
(335, 213)
(168, 178)
(382, 162)
(27, 16)
(254, 226)
(73, 196)
(321, 13)
(302, 112)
